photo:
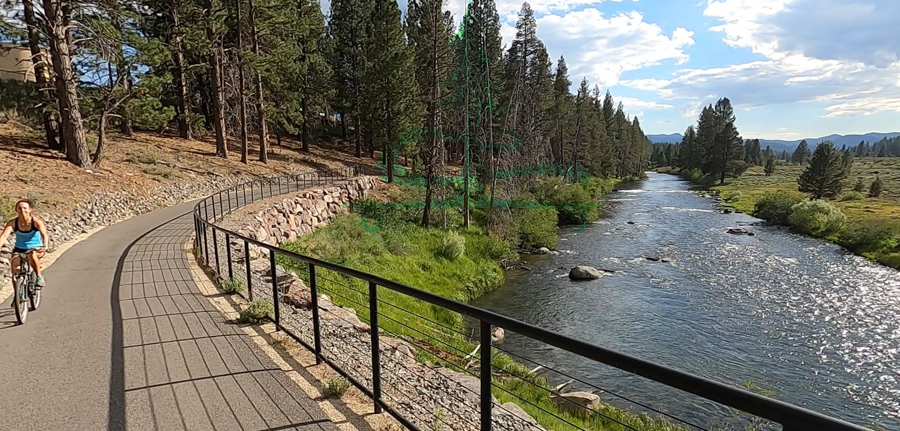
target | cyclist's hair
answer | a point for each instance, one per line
(27, 201)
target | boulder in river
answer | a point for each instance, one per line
(631, 222)
(727, 211)
(582, 272)
(738, 231)
(542, 250)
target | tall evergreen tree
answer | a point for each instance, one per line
(824, 176)
(390, 80)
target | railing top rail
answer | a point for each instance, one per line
(790, 416)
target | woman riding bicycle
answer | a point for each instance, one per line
(31, 233)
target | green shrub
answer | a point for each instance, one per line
(574, 203)
(817, 218)
(867, 236)
(860, 185)
(452, 247)
(336, 387)
(876, 188)
(231, 285)
(257, 311)
(851, 196)
(776, 207)
(536, 227)
(732, 197)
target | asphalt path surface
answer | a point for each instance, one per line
(123, 339)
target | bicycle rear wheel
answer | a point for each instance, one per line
(20, 299)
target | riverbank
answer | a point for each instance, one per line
(870, 226)
(458, 264)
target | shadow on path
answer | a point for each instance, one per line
(177, 364)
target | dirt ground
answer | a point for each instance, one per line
(140, 164)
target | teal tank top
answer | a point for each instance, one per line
(27, 239)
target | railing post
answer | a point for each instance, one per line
(244, 188)
(376, 351)
(203, 226)
(228, 255)
(216, 250)
(486, 396)
(275, 289)
(247, 268)
(314, 294)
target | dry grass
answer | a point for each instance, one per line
(140, 164)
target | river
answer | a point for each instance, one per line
(795, 315)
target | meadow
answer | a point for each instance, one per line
(872, 224)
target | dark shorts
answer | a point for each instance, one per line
(16, 250)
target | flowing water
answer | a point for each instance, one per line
(795, 315)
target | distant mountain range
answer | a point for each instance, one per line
(790, 146)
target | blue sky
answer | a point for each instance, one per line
(792, 68)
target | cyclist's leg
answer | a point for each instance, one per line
(35, 260)
(14, 268)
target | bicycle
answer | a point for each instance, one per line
(25, 288)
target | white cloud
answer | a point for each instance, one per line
(852, 30)
(851, 62)
(633, 103)
(607, 47)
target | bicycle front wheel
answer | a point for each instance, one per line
(34, 295)
(20, 299)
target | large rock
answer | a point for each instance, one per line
(584, 273)
(296, 294)
(578, 403)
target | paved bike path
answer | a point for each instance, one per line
(123, 339)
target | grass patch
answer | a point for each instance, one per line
(159, 171)
(143, 157)
(7, 207)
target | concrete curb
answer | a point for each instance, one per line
(266, 337)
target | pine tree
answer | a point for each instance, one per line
(860, 185)
(390, 80)
(801, 154)
(348, 29)
(770, 166)
(429, 32)
(824, 175)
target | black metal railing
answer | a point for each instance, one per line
(317, 303)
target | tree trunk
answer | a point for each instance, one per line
(305, 127)
(76, 145)
(219, 102)
(357, 118)
(125, 125)
(40, 75)
(216, 87)
(260, 104)
(344, 127)
(101, 138)
(241, 87)
(180, 78)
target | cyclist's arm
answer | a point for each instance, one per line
(42, 228)
(6, 231)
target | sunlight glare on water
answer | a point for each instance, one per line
(796, 315)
